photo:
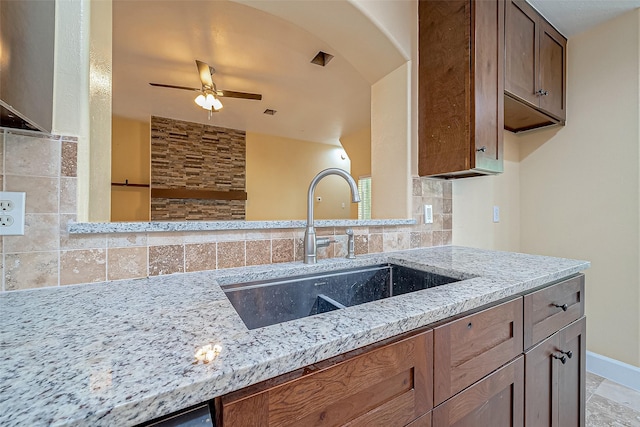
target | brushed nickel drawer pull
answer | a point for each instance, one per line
(564, 307)
(482, 149)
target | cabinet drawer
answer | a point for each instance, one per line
(497, 400)
(551, 309)
(469, 348)
(389, 386)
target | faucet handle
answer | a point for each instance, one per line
(321, 242)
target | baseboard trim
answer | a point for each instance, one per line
(614, 370)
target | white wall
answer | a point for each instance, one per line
(579, 185)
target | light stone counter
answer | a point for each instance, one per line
(122, 353)
(173, 226)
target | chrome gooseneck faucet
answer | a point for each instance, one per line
(311, 242)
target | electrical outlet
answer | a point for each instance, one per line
(6, 221)
(12, 205)
(428, 214)
(6, 205)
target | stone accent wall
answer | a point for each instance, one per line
(47, 255)
(186, 155)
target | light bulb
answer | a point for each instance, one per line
(210, 100)
(200, 100)
(216, 104)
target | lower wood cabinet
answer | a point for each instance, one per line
(388, 386)
(467, 372)
(496, 401)
(467, 349)
(555, 379)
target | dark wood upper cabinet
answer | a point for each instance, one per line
(461, 87)
(535, 70)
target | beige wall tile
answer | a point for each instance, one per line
(258, 252)
(438, 238)
(396, 241)
(447, 189)
(431, 187)
(126, 263)
(417, 187)
(298, 248)
(1, 152)
(31, 270)
(166, 239)
(437, 221)
(447, 222)
(83, 266)
(340, 247)
(69, 159)
(447, 206)
(282, 250)
(426, 239)
(125, 240)
(25, 155)
(375, 243)
(200, 257)
(42, 192)
(79, 241)
(41, 233)
(362, 245)
(415, 240)
(68, 195)
(200, 237)
(231, 254)
(167, 259)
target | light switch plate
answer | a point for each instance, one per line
(496, 214)
(428, 214)
(12, 206)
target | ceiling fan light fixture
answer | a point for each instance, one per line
(201, 101)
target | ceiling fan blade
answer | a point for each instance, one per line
(174, 87)
(243, 95)
(205, 74)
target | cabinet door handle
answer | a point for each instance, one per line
(542, 92)
(564, 307)
(483, 149)
(568, 353)
(562, 358)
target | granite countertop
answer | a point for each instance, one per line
(171, 226)
(122, 353)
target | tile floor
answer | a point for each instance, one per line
(610, 404)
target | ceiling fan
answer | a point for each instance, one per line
(209, 93)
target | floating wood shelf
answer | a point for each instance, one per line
(183, 193)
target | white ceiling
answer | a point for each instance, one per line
(255, 51)
(252, 51)
(572, 17)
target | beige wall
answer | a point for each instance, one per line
(130, 160)
(279, 171)
(358, 148)
(579, 185)
(391, 145)
(474, 199)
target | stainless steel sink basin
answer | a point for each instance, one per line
(268, 302)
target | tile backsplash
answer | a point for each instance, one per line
(47, 255)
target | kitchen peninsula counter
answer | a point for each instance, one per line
(121, 353)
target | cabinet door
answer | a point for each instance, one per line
(541, 374)
(552, 70)
(497, 400)
(388, 386)
(555, 379)
(572, 376)
(521, 47)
